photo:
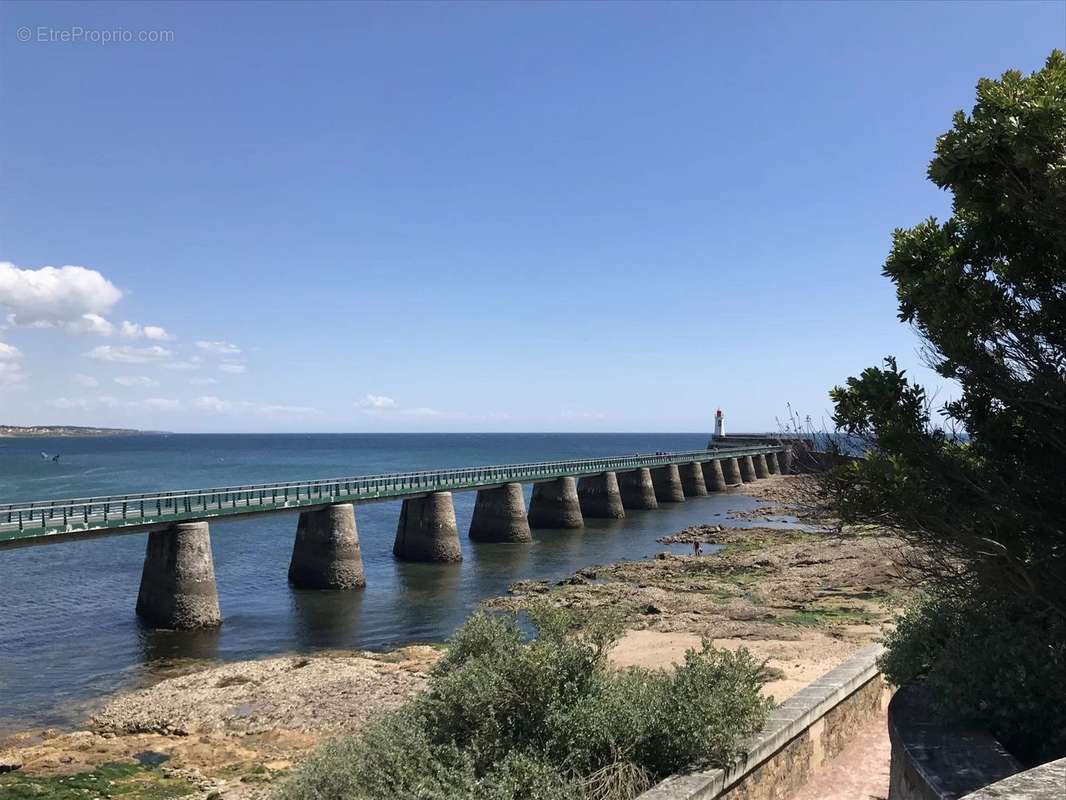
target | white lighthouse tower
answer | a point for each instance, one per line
(719, 425)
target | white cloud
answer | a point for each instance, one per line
(570, 413)
(86, 381)
(107, 401)
(157, 404)
(187, 364)
(232, 367)
(202, 381)
(219, 348)
(91, 323)
(130, 381)
(421, 411)
(380, 405)
(127, 354)
(131, 330)
(11, 372)
(284, 411)
(69, 296)
(376, 402)
(67, 402)
(216, 405)
(83, 402)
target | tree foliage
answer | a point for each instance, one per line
(982, 491)
(986, 290)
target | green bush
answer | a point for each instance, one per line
(504, 719)
(997, 662)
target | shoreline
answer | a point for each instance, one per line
(233, 728)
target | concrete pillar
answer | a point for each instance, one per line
(667, 483)
(427, 530)
(178, 580)
(731, 471)
(747, 469)
(637, 489)
(692, 479)
(784, 460)
(713, 478)
(554, 504)
(761, 469)
(326, 553)
(600, 496)
(771, 463)
(500, 515)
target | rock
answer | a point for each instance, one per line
(573, 580)
(9, 762)
(528, 587)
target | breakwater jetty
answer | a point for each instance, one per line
(178, 585)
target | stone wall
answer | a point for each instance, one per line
(934, 758)
(802, 734)
(1046, 782)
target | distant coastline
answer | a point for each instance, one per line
(68, 430)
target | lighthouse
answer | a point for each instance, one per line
(719, 425)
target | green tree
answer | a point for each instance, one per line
(982, 491)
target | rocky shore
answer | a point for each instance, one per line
(803, 599)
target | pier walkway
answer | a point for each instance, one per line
(178, 582)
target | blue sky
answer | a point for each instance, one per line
(512, 216)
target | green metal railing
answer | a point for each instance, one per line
(26, 522)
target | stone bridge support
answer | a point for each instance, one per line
(731, 471)
(600, 496)
(692, 479)
(555, 504)
(667, 482)
(771, 463)
(784, 460)
(637, 490)
(326, 553)
(761, 468)
(178, 580)
(427, 530)
(713, 477)
(747, 469)
(500, 515)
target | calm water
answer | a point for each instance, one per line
(68, 633)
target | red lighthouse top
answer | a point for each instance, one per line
(718, 413)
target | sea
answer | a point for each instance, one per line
(69, 637)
